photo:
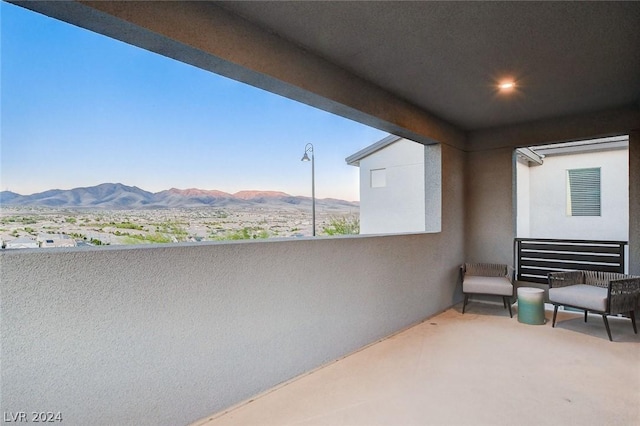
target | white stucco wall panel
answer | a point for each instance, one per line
(168, 335)
(548, 198)
(399, 206)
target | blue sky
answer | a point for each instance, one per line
(79, 109)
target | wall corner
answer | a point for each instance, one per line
(634, 202)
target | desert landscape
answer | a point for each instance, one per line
(112, 214)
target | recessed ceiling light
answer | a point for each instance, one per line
(507, 85)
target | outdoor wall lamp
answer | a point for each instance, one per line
(309, 148)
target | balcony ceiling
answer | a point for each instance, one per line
(567, 58)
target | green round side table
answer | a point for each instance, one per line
(531, 305)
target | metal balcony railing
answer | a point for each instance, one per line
(536, 257)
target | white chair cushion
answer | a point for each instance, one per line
(500, 286)
(581, 296)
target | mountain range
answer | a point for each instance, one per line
(119, 196)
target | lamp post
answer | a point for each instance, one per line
(309, 148)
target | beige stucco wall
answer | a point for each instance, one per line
(489, 206)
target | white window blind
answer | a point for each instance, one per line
(584, 192)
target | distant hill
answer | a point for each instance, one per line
(191, 197)
(251, 195)
(118, 196)
(7, 196)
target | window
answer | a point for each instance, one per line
(162, 123)
(583, 192)
(378, 178)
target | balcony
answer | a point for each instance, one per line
(480, 368)
(169, 335)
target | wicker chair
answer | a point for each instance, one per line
(606, 293)
(487, 278)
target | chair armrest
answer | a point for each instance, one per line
(511, 274)
(623, 295)
(565, 279)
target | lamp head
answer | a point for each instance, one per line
(308, 148)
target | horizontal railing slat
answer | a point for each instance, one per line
(533, 279)
(571, 257)
(571, 248)
(562, 241)
(572, 266)
(538, 272)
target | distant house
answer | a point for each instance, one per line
(55, 240)
(21, 243)
(575, 190)
(393, 186)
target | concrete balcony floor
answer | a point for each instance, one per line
(480, 368)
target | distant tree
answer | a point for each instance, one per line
(342, 225)
(156, 238)
(262, 234)
(127, 225)
(246, 233)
